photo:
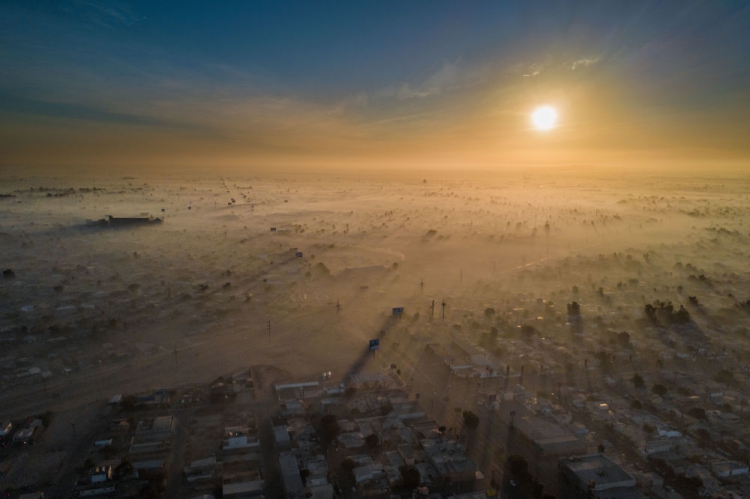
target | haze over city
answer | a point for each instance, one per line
(445, 250)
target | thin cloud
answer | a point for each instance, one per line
(451, 76)
(585, 62)
(104, 13)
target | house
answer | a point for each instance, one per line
(368, 472)
(237, 437)
(726, 469)
(100, 474)
(655, 446)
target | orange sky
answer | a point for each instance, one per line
(114, 87)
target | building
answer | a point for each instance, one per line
(548, 439)
(100, 474)
(367, 473)
(727, 469)
(148, 469)
(456, 470)
(239, 437)
(596, 476)
(291, 476)
(242, 490)
(283, 440)
(116, 222)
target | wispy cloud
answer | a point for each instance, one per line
(104, 13)
(549, 65)
(356, 101)
(449, 77)
(585, 62)
(82, 112)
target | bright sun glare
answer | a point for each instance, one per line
(544, 118)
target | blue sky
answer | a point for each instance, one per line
(248, 82)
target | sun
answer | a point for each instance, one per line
(544, 118)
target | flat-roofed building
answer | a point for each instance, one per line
(726, 469)
(547, 438)
(242, 490)
(454, 467)
(596, 476)
(291, 476)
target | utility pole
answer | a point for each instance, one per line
(432, 309)
(443, 304)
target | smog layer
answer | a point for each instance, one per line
(143, 307)
(555, 281)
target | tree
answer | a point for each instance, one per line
(703, 434)
(372, 441)
(528, 331)
(697, 413)
(304, 473)
(637, 381)
(410, 477)
(623, 338)
(725, 376)
(124, 469)
(330, 427)
(471, 420)
(660, 390)
(574, 308)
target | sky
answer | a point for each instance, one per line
(373, 84)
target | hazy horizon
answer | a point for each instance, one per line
(393, 85)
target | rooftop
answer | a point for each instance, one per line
(242, 487)
(598, 471)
